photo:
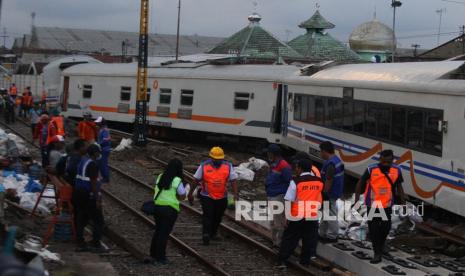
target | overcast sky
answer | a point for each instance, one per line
(417, 20)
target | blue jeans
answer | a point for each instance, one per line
(104, 169)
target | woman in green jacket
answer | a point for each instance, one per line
(169, 190)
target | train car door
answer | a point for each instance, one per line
(279, 116)
(64, 104)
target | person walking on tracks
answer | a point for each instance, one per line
(104, 141)
(305, 197)
(332, 174)
(276, 184)
(169, 190)
(34, 116)
(383, 182)
(87, 129)
(41, 134)
(9, 110)
(214, 175)
(88, 201)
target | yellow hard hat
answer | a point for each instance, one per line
(217, 153)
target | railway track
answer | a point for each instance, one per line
(236, 254)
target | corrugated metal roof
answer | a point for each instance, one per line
(91, 41)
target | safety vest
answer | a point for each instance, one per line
(55, 127)
(316, 171)
(167, 197)
(378, 192)
(215, 179)
(82, 182)
(337, 189)
(308, 198)
(87, 130)
(13, 91)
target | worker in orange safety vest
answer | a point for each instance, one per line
(383, 182)
(214, 175)
(56, 126)
(305, 197)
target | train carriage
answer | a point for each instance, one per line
(232, 100)
(416, 109)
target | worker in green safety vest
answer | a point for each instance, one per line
(169, 190)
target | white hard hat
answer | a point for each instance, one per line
(99, 119)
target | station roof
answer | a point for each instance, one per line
(110, 42)
(255, 42)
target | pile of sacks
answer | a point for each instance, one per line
(246, 171)
(26, 190)
(12, 146)
(353, 223)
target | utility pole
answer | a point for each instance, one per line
(177, 33)
(463, 39)
(415, 49)
(440, 12)
(4, 36)
(395, 4)
(140, 123)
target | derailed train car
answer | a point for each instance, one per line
(416, 109)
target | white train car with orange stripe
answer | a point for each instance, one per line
(232, 99)
(416, 109)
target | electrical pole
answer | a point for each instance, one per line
(415, 49)
(395, 4)
(177, 33)
(440, 12)
(463, 39)
(4, 36)
(140, 123)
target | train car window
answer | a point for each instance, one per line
(348, 115)
(187, 97)
(319, 110)
(328, 112)
(165, 96)
(297, 107)
(241, 100)
(415, 128)
(304, 110)
(383, 122)
(359, 117)
(433, 137)
(370, 120)
(337, 113)
(311, 110)
(125, 94)
(87, 91)
(398, 124)
(149, 94)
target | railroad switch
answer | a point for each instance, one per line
(450, 266)
(426, 262)
(393, 270)
(403, 263)
(361, 255)
(342, 246)
(363, 245)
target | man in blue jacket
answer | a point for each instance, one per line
(104, 141)
(276, 185)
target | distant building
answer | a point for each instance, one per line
(452, 48)
(373, 41)
(317, 45)
(65, 41)
(255, 43)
